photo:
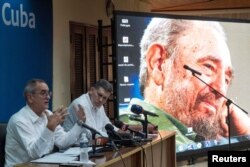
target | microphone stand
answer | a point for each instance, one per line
(93, 152)
(228, 121)
(227, 104)
(145, 126)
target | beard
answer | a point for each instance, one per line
(206, 128)
(180, 104)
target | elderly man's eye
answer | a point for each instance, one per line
(228, 80)
(209, 66)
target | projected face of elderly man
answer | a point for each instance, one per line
(200, 45)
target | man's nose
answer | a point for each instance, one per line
(220, 85)
(47, 97)
(101, 98)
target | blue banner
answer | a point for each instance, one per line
(25, 49)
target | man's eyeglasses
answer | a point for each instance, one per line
(44, 93)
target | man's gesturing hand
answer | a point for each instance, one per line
(56, 118)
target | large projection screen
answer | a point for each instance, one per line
(129, 28)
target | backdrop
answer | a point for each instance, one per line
(25, 49)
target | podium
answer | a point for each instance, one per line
(158, 153)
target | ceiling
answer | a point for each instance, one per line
(195, 5)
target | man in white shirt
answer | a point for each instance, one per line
(34, 130)
(92, 103)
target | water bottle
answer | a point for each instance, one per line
(84, 156)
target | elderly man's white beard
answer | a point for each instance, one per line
(177, 105)
(206, 128)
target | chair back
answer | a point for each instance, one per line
(3, 127)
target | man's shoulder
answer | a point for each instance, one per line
(79, 99)
(19, 117)
(19, 113)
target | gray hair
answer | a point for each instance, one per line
(102, 83)
(31, 86)
(166, 32)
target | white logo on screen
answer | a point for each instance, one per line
(180, 148)
(190, 147)
(125, 59)
(125, 39)
(207, 143)
(127, 99)
(124, 20)
(189, 129)
(199, 145)
(126, 79)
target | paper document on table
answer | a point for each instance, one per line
(89, 163)
(74, 151)
(56, 158)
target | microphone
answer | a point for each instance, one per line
(192, 70)
(90, 128)
(112, 133)
(139, 110)
(152, 128)
(125, 139)
(125, 127)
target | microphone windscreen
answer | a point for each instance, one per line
(121, 125)
(136, 109)
(118, 124)
(185, 66)
(109, 127)
(111, 132)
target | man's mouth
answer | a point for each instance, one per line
(209, 107)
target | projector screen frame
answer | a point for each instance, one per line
(190, 153)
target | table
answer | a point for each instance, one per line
(158, 153)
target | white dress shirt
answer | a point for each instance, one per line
(28, 137)
(95, 117)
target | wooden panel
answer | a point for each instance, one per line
(187, 5)
(83, 57)
(77, 60)
(78, 64)
(159, 4)
(86, 65)
(92, 56)
(106, 66)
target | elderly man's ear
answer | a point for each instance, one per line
(156, 59)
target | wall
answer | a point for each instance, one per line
(83, 11)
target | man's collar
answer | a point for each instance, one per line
(34, 117)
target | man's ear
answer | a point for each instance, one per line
(91, 90)
(29, 98)
(156, 56)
